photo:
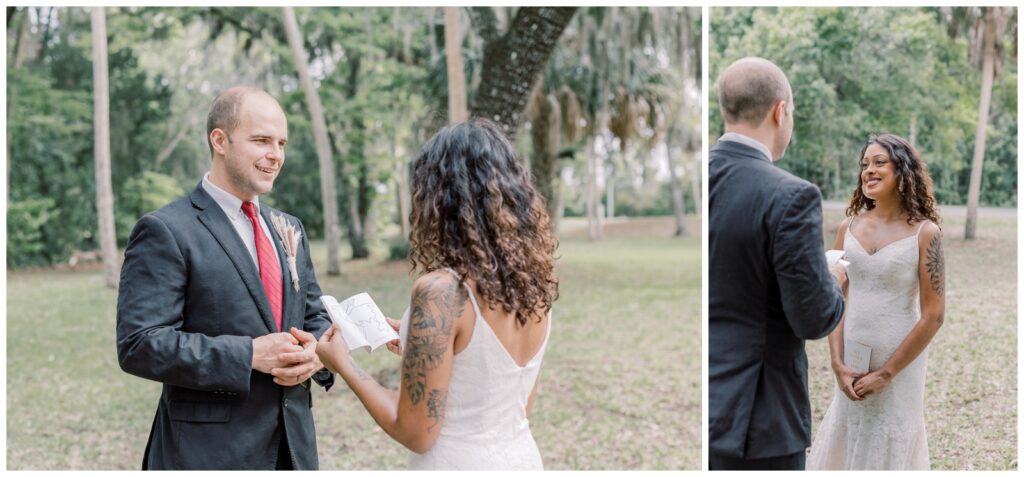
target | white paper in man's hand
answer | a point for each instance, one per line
(836, 256)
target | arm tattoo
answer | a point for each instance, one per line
(360, 374)
(436, 402)
(936, 265)
(433, 314)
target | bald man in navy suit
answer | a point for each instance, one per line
(769, 285)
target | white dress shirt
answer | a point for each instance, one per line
(747, 141)
(233, 209)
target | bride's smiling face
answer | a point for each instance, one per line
(877, 172)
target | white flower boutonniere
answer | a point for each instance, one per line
(290, 237)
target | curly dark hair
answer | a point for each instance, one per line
(916, 196)
(476, 211)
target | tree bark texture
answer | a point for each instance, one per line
(328, 188)
(101, 129)
(457, 110)
(513, 62)
(987, 76)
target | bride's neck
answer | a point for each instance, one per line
(889, 210)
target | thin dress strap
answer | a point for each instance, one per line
(919, 227)
(472, 297)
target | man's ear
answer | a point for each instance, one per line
(778, 112)
(218, 139)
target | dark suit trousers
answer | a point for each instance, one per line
(785, 462)
(284, 454)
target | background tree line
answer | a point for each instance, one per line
(605, 110)
(918, 73)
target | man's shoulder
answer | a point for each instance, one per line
(765, 174)
(789, 182)
(175, 211)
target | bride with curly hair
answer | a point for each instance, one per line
(475, 333)
(895, 305)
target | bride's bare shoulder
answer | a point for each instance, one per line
(439, 290)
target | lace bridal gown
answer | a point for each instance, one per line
(886, 430)
(485, 425)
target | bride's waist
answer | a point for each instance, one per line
(484, 430)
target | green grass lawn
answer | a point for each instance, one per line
(971, 395)
(619, 387)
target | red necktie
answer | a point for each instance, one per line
(270, 268)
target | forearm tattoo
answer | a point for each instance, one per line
(936, 265)
(360, 374)
(436, 405)
(433, 314)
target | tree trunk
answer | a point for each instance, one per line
(513, 62)
(358, 206)
(987, 75)
(328, 189)
(838, 180)
(431, 23)
(457, 111)
(166, 151)
(695, 174)
(101, 129)
(913, 130)
(545, 134)
(678, 206)
(21, 40)
(404, 197)
(609, 184)
(593, 214)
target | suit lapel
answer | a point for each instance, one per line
(213, 218)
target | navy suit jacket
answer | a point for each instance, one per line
(769, 290)
(189, 304)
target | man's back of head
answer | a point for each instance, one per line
(756, 100)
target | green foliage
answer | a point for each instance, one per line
(26, 221)
(143, 194)
(50, 133)
(50, 146)
(861, 71)
(398, 248)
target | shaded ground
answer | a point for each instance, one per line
(620, 383)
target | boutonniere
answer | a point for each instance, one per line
(290, 237)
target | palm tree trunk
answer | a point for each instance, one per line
(678, 206)
(609, 207)
(512, 63)
(593, 215)
(101, 128)
(328, 189)
(695, 173)
(457, 111)
(987, 75)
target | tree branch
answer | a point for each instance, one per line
(485, 22)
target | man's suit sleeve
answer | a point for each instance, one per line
(150, 314)
(811, 298)
(316, 320)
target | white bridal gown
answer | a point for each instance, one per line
(485, 425)
(886, 430)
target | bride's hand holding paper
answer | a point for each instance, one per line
(332, 349)
(364, 325)
(395, 346)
